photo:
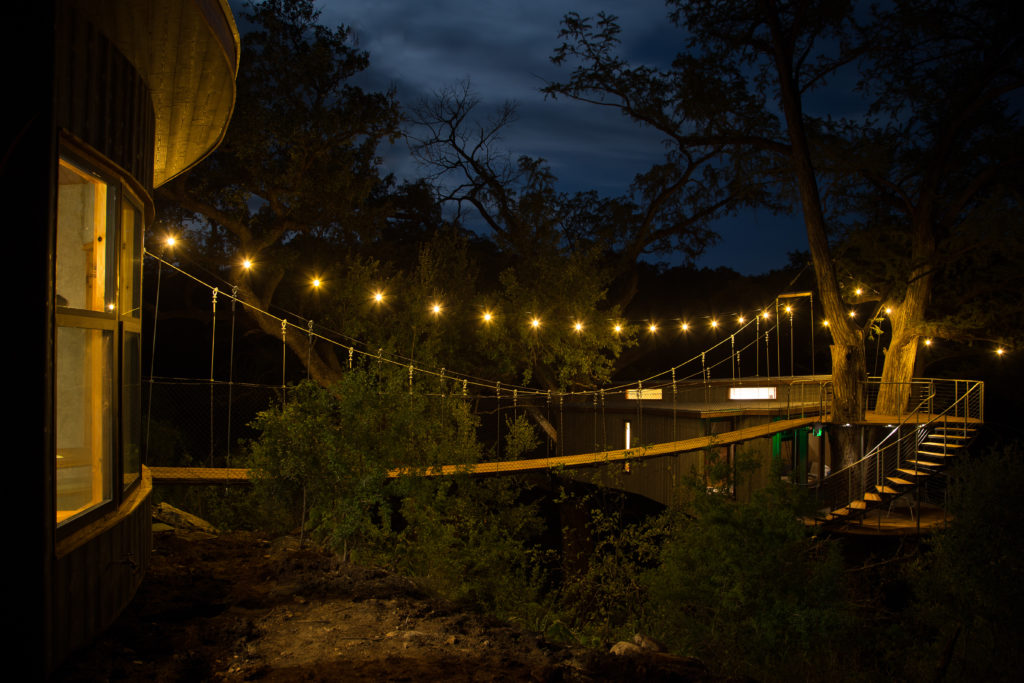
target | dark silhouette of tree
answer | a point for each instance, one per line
(750, 83)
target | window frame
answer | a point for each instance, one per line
(129, 196)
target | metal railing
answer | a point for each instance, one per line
(951, 404)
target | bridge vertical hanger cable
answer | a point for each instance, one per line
(231, 375)
(213, 350)
(152, 355)
(309, 345)
(812, 332)
(284, 353)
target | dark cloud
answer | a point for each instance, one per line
(504, 48)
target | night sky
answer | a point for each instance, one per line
(503, 48)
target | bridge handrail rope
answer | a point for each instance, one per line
(471, 380)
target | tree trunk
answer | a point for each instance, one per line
(897, 373)
(849, 369)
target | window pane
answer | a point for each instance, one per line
(131, 399)
(86, 269)
(83, 415)
(131, 261)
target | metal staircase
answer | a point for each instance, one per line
(911, 458)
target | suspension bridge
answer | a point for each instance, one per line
(652, 429)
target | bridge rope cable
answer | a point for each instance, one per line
(468, 379)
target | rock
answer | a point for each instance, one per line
(648, 643)
(181, 520)
(626, 648)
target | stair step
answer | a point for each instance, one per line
(912, 473)
(888, 490)
(900, 482)
(841, 512)
(940, 444)
(944, 435)
(929, 454)
(858, 505)
(923, 463)
(873, 497)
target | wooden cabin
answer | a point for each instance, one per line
(104, 100)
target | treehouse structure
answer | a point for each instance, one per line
(105, 101)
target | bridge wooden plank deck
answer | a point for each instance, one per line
(240, 475)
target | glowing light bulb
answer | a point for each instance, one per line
(110, 307)
(741, 320)
(171, 240)
(824, 323)
(714, 324)
(247, 264)
(858, 291)
(316, 282)
(1000, 351)
(853, 314)
(488, 317)
(578, 326)
(789, 309)
(378, 297)
(766, 315)
(927, 342)
(888, 310)
(535, 323)
(436, 308)
(652, 328)
(617, 329)
(685, 327)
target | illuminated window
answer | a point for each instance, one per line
(98, 301)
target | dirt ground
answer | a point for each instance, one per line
(238, 607)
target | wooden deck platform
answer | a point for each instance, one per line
(200, 475)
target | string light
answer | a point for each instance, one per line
(170, 241)
(246, 263)
(741, 320)
(888, 311)
(714, 324)
(766, 315)
(535, 322)
(928, 342)
(488, 317)
(858, 291)
(1000, 351)
(436, 308)
(316, 282)
(617, 328)
(685, 326)
(378, 297)
(652, 328)
(577, 326)
(789, 309)
(824, 323)
(853, 314)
